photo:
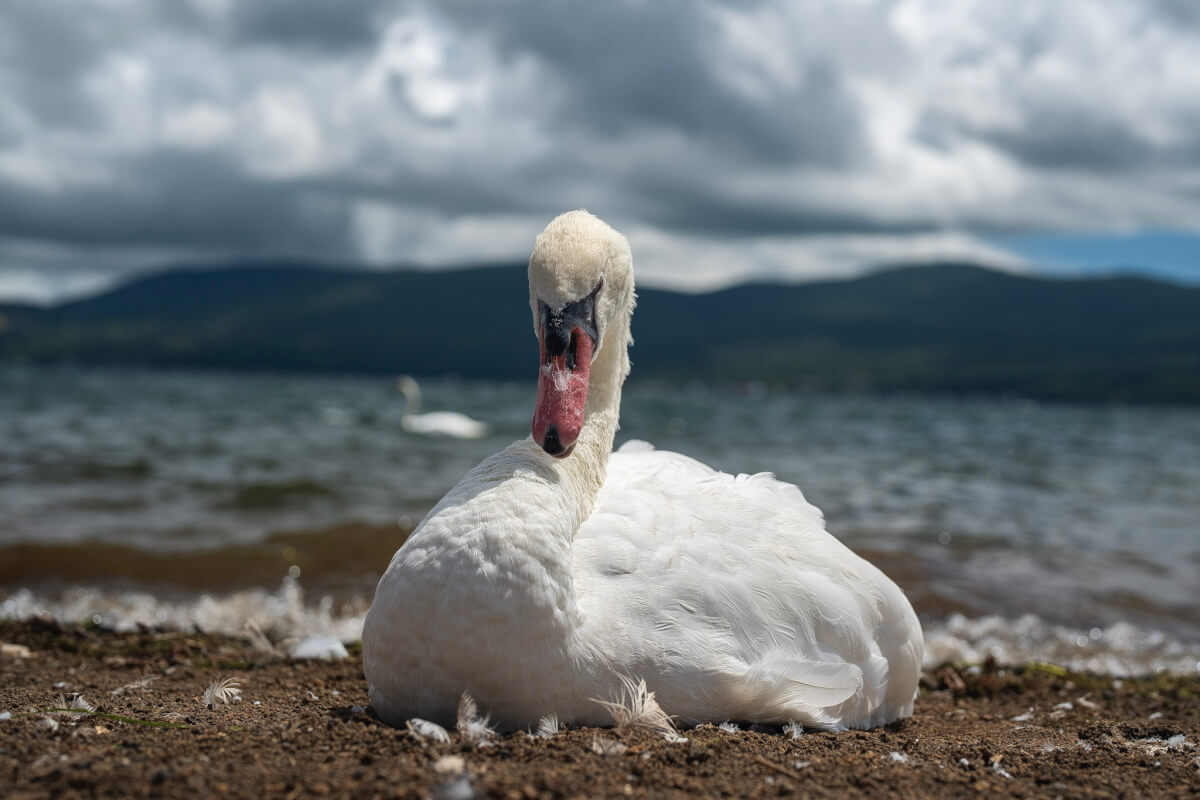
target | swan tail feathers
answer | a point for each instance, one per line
(812, 692)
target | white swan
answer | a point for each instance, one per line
(539, 582)
(435, 423)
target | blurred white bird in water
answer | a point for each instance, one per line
(435, 423)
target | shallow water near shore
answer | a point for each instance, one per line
(1022, 531)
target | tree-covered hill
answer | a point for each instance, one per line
(934, 328)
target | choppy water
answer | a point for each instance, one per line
(1019, 530)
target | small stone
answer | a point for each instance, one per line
(450, 765)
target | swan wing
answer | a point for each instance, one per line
(729, 597)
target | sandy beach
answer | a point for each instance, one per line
(298, 729)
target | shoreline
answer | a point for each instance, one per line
(294, 609)
(303, 729)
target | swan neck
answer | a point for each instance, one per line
(412, 398)
(589, 461)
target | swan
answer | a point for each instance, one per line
(557, 569)
(435, 423)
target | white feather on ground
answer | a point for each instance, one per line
(76, 705)
(472, 727)
(547, 727)
(222, 690)
(635, 707)
(423, 729)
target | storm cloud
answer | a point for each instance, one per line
(730, 140)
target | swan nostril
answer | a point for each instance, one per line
(571, 351)
(552, 444)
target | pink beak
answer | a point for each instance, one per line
(562, 394)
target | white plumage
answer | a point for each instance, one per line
(540, 585)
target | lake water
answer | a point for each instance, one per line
(1063, 533)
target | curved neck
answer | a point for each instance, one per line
(412, 397)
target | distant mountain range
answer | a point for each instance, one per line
(945, 328)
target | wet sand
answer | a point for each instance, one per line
(301, 729)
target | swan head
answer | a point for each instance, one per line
(580, 283)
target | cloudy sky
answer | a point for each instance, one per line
(729, 140)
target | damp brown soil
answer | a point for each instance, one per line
(301, 729)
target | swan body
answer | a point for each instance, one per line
(435, 423)
(540, 582)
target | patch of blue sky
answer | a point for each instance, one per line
(1166, 254)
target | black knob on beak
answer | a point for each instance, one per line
(552, 444)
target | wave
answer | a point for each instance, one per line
(281, 615)
(1121, 650)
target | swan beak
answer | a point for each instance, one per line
(567, 342)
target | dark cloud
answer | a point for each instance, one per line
(183, 201)
(1064, 136)
(331, 26)
(687, 203)
(1059, 138)
(624, 67)
(1176, 12)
